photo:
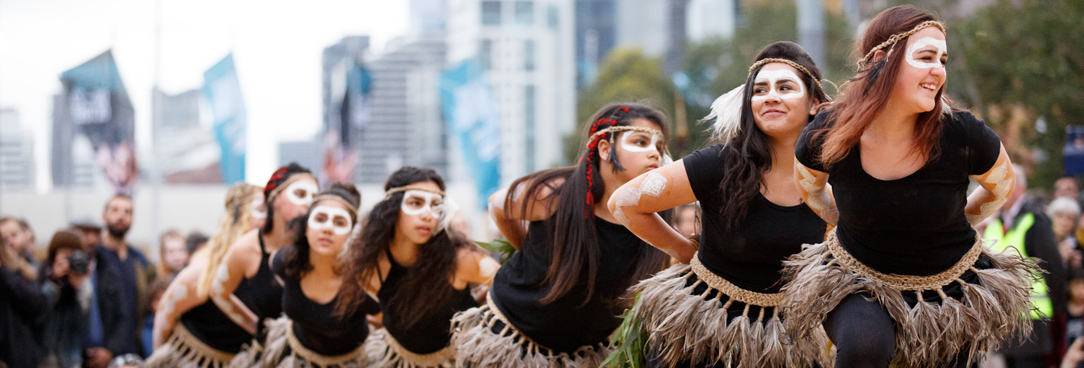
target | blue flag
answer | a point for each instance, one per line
(222, 90)
(470, 111)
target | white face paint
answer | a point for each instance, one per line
(301, 192)
(328, 217)
(258, 209)
(416, 202)
(636, 141)
(653, 185)
(927, 60)
(778, 79)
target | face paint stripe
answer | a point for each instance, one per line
(940, 45)
(773, 77)
(329, 223)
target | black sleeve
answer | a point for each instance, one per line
(983, 145)
(705, 171)
(23, 295)
(1041, 243)
(808, 149)
(369, 306)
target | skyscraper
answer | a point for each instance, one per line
(527, 49)
(16, 153)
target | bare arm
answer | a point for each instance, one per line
(635, 205)
(228, 277)
(816, 192)
(179, 297)
(474, 267)
(510, 220)
(995, 187)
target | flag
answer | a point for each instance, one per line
(470, 112)
(222, 90)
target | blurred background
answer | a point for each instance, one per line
(172, 101)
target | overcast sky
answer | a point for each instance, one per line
(277, 47)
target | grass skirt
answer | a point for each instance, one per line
(383, 351)
(693, 316)
(936, 317)
(183, 350)
(478, 346)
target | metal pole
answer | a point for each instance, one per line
(811, 28)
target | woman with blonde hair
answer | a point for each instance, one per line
(206, 337)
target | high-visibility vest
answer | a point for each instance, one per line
(1040, 296)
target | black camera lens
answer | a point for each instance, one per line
(78, 262)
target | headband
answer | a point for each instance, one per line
(788, 62)
(621, 128)
(273, 188)
(408, 187)
(899, 36)
(332, 197)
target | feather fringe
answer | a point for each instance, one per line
(382, 351)
(683, 326)
(284, 351)
(183, 350)
(479, 347)
(726, 110)
(985, 316)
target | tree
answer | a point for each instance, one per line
(1023, 60)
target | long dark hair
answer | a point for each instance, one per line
(749, 155)
(416, 296)
(574, 242)
(296, 255)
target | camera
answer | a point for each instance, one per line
(79, 262)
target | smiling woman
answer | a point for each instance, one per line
(726, 301)
(903, 277)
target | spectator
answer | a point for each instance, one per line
(686, 219)
(1022, 224)
(196, 241)
(66, 288)
(173, 253)
(91, 232)
(154, 295)
(19, 237)
(1074, 328)
(1064, 212)
(1066, 186)
(21, 304)
(120, 281)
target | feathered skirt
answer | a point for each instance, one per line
(382, 350)
(479, 346)
(977, 304)
(692, 315)
(183, 350)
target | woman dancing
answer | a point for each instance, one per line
(206, 337)
(722, 309)
(420, 272)
(904, 277)
(311, 334)
(556, 302)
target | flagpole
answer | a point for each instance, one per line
(155, 174)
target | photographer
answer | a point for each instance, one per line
(64, 282)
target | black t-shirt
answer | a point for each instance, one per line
(567, 323)
(433, 332)
(750, 257)
(316, 325)
(914, 225)
(261, 293)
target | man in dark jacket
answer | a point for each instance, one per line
(121, 276)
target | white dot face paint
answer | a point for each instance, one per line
(258, 209)
(416, 202)
(781, 83)
(301, 192)
(926, 53)
(636, 141)
(328, 217)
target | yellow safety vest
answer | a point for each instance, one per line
(1044, 308)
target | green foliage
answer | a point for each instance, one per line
(629, 342)
(501, 246)
(1029, 53)
(713, 66)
